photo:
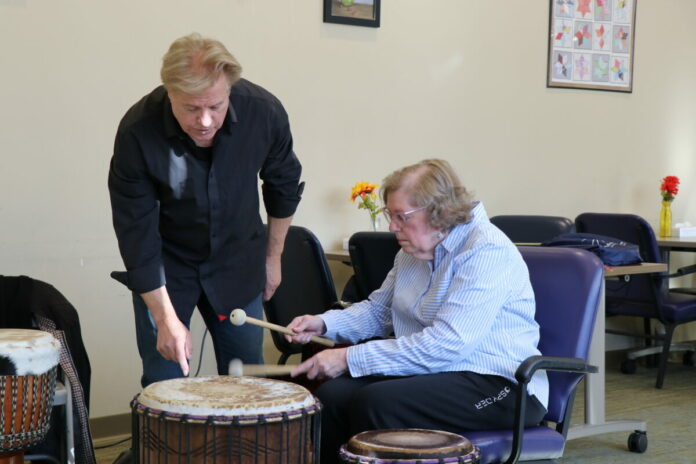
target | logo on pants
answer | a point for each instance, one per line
(493, 399)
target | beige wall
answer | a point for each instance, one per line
(458, 79)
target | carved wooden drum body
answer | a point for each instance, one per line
(28, 366)
(409, 446)
(220, 419)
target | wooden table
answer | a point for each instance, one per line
(669, 244)
(677, 243)
(338, 255)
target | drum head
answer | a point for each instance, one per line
(27, 352)
(409, 443)
(225, 396)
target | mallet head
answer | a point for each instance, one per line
(236, 368)
(238, 317)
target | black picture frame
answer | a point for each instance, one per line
(352, 12)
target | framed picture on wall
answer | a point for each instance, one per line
(354, 12)
(591, 44)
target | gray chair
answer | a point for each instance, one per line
(531, 228)
(62, 399)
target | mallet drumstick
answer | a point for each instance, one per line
(239, 317)
(238, 369)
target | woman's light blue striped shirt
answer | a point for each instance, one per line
(469, 309)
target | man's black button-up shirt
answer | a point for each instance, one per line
(189, 218)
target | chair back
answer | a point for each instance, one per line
(306, 287)
(372, 256)
(531, 228)
(638, 296)
(567, 287)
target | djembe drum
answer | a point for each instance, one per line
(409, 446)
(28, 366)
(220, 419)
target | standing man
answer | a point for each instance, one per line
(185, 204)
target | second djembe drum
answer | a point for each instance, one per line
(408, 446)
(28, 367)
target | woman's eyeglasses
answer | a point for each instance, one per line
(400, 218)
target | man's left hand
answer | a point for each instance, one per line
(273, 276)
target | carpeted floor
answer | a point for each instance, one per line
(670, 414)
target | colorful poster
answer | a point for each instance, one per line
(591, 44)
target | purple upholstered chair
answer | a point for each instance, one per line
(646, 296)
(567, 286)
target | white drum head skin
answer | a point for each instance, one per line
(225, 396)
(31, 352)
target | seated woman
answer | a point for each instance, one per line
(461, 307)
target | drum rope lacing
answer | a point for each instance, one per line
(233, 441)
(224, 420)
(472, 458)
(19, 439)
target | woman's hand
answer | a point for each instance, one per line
(305, 327)
(325, 364)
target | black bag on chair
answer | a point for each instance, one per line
(612, 251)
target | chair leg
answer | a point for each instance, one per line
(283, 358)
(651, 360)
(647, 328)
(667, 342)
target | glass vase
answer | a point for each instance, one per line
(666, 219)
(374, 222)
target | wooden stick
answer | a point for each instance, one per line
(239, 317)
(258, 370)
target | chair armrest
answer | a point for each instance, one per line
(529, 366)
(524, 374)
(682, 271)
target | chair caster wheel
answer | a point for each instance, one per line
(689, 358)
(638, 442)
(629, 366)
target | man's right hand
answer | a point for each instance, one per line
(173, 338)
(174, 342)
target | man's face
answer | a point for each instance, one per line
(200, 116)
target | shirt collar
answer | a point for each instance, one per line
(460, 231)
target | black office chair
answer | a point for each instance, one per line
(306, 287)
(531, 228)
(645, 296)
(372, 256)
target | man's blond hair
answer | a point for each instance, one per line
(194, 63)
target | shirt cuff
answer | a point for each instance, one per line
(355, 358)
(330, 323)
(144, 279)
(282, 204)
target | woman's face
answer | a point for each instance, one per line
(410, 224)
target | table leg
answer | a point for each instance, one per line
(595, 420)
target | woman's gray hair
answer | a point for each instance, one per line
(432, 183)
(194, 63)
